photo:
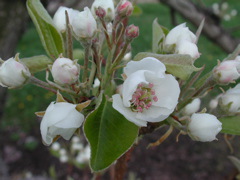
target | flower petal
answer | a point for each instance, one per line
(125, 111)
(148, 63)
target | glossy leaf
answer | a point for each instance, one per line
(230, 125)
(178, 65)
(37, 63)
(51, 39)
(109, 134)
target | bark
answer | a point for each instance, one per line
(13, 21)
(212, 29)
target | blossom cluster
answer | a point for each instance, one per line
(154, 89)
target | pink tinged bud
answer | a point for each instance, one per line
(227, 71)
(132, 32)
(13, 73)
(100, 12)
(65, 71)
(107, 5)
(125, 9)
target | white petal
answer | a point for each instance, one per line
(130, 85)
(167, 91)
(126, 111)
(148, 63)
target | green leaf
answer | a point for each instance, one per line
(179, 65)
(109, 134)
(230, 125)
(51, 39)
(37, 63)
(137, 11)
(157, 36)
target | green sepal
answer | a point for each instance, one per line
(37, 63)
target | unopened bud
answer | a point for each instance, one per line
(125, 9)
(13, 73)
(100, 12)
(65, 71)
(227, 71)
(132, 32)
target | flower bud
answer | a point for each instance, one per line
(204, 127)
(132, 32)
(62, 119)
(59, 18)
(180, 32)
(13, 73)
(227, 71)
(192, 107)
(100, 12)
(187, 47)
(125, 9)
(107, 5)
(84, 25)
(230, 100)
(65, 71)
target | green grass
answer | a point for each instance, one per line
(22, 103)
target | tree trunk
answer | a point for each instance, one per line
(13, 21)
(211, 29)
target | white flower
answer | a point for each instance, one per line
(63, 158)
(192, 107)
(84, 25)
(148, 93)
(227, 71)
(204, 127)
(65, 71)
(75, 139)
(180, 32)
(59, 18)
(107, 5)
(84, 156)
(231, 99)
(187, 47)
(184, 40)
(96, 83)
(13, 73)
(55, 146)
(62, 119)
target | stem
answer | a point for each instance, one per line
(121, 165)
(208, 84)
(42, 84)
(92, 75)
(69, 38)
(121, 55)
(106, 33)
(86, 60)
(97, 62)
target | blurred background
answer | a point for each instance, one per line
(22, 154)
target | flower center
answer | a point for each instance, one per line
(142, 98)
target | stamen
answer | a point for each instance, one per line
(142, 98)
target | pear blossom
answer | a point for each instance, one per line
(204, 127)
(65, 71)
(148, 93)
(180, 32)
(84, 25)
(13, 73)
(192, 107)
(187, 47)
(184, 40)
(107, 5)
(62, 119)
(59, 18)
(230, 100)
(227, 71)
